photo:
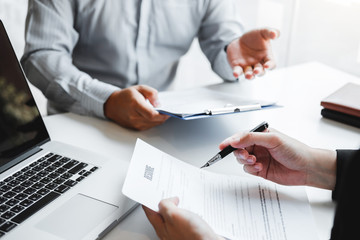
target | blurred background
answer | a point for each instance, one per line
(327, 31)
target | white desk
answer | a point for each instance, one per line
(299, 89)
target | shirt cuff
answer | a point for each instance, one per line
(96, 94)
(222, 66)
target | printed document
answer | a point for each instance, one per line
(235, 207)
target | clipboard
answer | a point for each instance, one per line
(202, 103)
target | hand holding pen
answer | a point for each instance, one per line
(229, 149)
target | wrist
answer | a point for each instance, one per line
(321, 171)
(109, 104)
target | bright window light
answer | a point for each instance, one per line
(345, 2)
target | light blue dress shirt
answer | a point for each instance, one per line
(78, 52)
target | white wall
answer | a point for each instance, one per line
(327, 31)
(311, 30)
(13, 13)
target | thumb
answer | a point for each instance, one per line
(169, 202)
(149, 93)
(270, 33)
(167, 207)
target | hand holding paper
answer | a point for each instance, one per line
(177, 224)
(234, 207)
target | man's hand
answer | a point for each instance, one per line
(251, 53)
(128, 107)
(177, 224)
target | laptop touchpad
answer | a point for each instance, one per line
(76, 218)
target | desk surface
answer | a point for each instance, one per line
(298, 89)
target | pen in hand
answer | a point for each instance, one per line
(229, 149)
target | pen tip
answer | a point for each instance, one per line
(204, 166)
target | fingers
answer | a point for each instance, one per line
(249, 74)
(156, 221)
(270, 33)
(250, 163)
(259, 70)
(152, 95)
(167, 207)
(227, 141)
(149, 114)
(251, 53)
(270, 64)
(237, 71)
(149, 93)
(154, 217)
(253, 169)
(243, 157)
(160, 219)
(129, 108)
(265, 139)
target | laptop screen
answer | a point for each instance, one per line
(21, 125)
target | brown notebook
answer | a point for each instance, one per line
(345, 100)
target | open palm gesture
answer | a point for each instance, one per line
(251, 54)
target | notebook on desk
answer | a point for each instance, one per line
(343, 105)
(50, 190)
(202, 103)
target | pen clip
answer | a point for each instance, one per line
(232, 109)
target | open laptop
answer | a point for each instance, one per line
(50, 190)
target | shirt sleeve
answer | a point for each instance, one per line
(47, 60)
(221, 25)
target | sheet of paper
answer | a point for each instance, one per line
(235, 207)
(194, 101)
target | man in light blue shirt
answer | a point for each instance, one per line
(105, 58)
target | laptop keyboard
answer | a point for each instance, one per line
(28, 190)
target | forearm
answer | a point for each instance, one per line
(66, 86)
(221, 25)
(222, 67)
(48, 59)
(321, 170)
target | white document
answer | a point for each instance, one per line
(202, 102)
(235, 207)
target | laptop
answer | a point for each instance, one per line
(48, 189)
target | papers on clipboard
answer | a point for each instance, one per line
(202, 103)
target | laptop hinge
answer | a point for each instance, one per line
(20, 158)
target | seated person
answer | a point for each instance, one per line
(106, 58)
